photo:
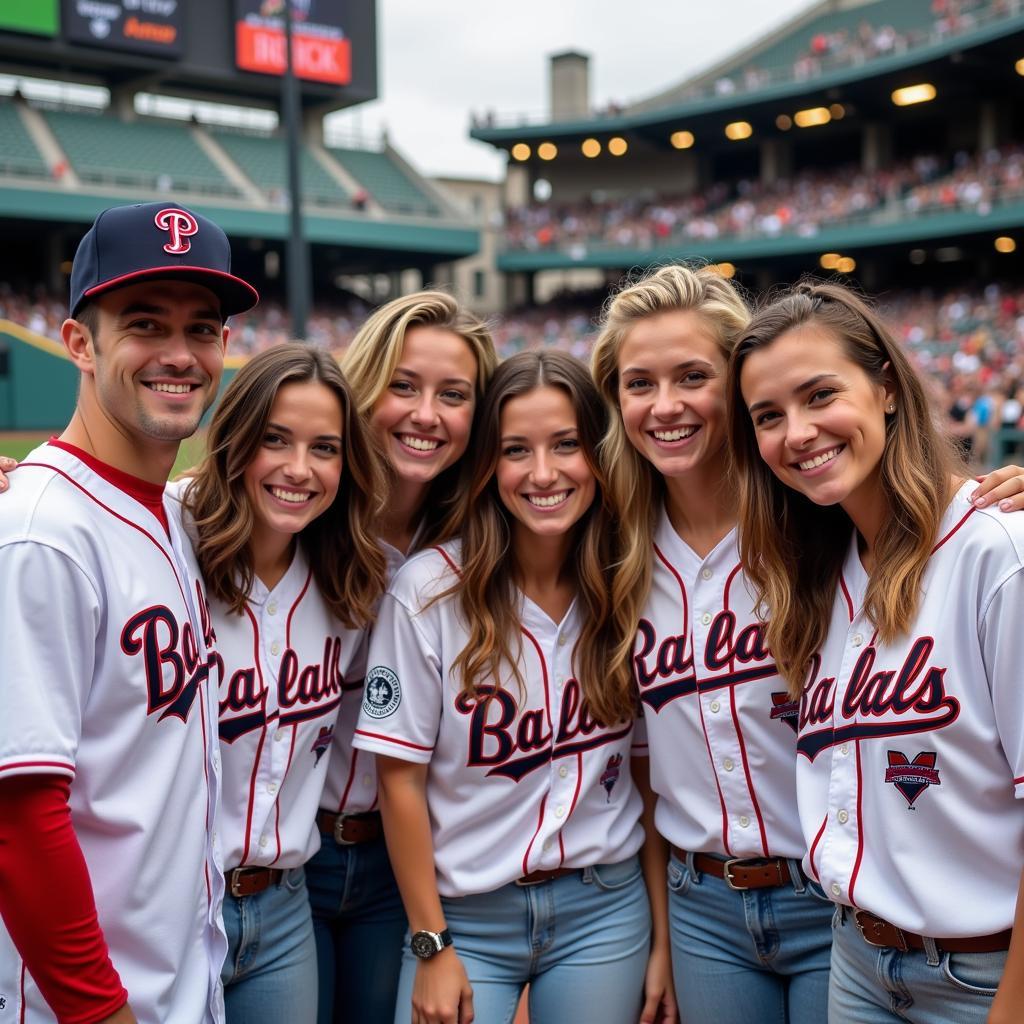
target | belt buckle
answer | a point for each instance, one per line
(524, 882)
(727, 874)
(878, 926)
(235, 879)
(339, 830)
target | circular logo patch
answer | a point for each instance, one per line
(382, 694)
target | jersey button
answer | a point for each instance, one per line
(562, 641)
(715, 707)
(728, 764)
(843, 817)
(271, 788)
(279, 735)
(744, 821)
(263, 841)
(844, 749)
(559, 812)
(836, 889)
(275, 648)
(706, 574)
(272, 608)
(563, 771)
(857, 640)
(367, 780)
(706, 618)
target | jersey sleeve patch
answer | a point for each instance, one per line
(382, 694)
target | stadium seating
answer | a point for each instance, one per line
(18, 154)
(388, 183)
(263, 159)
(144, 154)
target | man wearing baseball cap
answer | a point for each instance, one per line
(110, 877)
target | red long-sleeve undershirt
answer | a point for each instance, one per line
(47, 903)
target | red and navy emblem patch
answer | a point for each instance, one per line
(323, 742)
(912, 778)
(610, 775)
(786, 709)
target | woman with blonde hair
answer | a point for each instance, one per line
(417, 368)
(894, 608)
(281, 514)
(741, 924)
(499, 705)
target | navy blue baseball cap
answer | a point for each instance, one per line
(156, 240)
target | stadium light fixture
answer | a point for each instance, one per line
(812, 117)
(547, 151)
(910, 94)
(617, 145)
(829, 260)
(681, 140)
(846, 265)
(1019, 66)
(520, 151)
(783, 122)
(737, 130)
(838, 111)
(590, 148)
(1005, 244)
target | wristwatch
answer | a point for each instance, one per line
(428, 944)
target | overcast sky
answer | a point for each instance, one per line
(439, 61)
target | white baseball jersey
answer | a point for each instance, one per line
(110, 680)
(720, 726)
(517, 783)
(351, 786)
(287, 667)
(911, 755)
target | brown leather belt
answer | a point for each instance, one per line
(878, 932)
(755, 873)
(539, 876)
(350, 829)
(250, 881)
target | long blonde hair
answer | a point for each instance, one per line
(486, 588)
(370, 362)
(635, 486)
(347, 563)
(792, 549)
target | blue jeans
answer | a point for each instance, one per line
(359, 923)
(580, 941)
(884, 986)
(757, 955)
(270, 972)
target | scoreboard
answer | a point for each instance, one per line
(232, 47)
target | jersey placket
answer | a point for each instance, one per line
(276, 752)
(719, 716)
(841, 840)
(555, 645)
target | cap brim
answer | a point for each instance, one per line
(236, 295)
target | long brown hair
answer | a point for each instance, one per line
(486, 588)
(792, 549)
(348, 565)
(369, 364)
(637, 489)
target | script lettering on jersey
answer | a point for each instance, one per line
(904, 701)
(665, 671)
(513, 748)
(170, 656)
(303, 692)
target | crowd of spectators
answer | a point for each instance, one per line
(968, 341)
(802, 204)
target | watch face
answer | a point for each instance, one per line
(423, 945)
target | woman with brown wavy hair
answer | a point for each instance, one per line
(417, 368)
(501, 717)
(282, 513)
(894, 608)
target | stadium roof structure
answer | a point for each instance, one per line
(698, 106)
